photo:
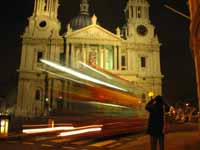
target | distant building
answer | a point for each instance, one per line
(132, 53)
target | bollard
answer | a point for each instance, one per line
(50, 123)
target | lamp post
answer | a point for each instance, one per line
(51, 79)
(151, 94)
(46, 99)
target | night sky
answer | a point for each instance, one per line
(173, 32)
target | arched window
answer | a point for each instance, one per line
(139, 12)
(124, 62)
(37, 94)
(39, 56)
(132, 14)
(143, 62)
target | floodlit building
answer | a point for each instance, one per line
(132, 53)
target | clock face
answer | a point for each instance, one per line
(42, 24)
(142, 30)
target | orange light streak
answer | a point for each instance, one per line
(45, 125)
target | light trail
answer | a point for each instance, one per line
(176, 11)
(71, 130)
(82, 131)
(107, 104)
(45, 125)
(80, 75)
(43, 130)
(90, 126)
(64, 77)
(95, 70)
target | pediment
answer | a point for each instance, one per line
(93, 32)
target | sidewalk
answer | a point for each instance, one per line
(173, 141)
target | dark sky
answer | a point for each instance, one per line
(173, 32)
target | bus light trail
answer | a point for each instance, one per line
(45, 125)
(45, 130)
(95, 70)
(108, 104)
(70, 130)
(80, 75)
(64, 77)
(81, 130)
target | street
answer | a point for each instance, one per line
(92, 141)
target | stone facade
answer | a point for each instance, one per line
(133, 53)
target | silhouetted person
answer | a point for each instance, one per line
(156, 108)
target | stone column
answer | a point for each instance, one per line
(40, 6)
(129, 12)
(84, 53)
(115, 58)
(35, 7)
(72, 55)
(101, 57)
(134, 12)
(87, 53)
(119, 58)
(105, 57)
(143, 12)
(67, 55)
(128, 60)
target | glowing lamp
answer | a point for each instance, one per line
(150, 94)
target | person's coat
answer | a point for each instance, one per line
(156, 107)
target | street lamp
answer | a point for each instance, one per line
(47, 91)
(151, 94)
(46, 99)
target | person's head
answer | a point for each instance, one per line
(159, 99)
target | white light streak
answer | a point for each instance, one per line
(79, 131)
(95, 70)
(43, 130)
(80, 75)
(176, 11)
(64, 77)
(107, 104)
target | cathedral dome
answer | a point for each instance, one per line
(83, 19)
(80, 21)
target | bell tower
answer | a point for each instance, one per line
(41, 39)
(144, 48)
(138, 23)
(44, 23)
(46, 8)
(137, 10)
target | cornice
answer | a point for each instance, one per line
(35, 41)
